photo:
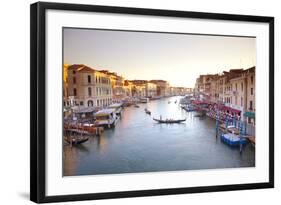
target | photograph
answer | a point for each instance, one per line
(148, 101)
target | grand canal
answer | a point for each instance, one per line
(139, 144)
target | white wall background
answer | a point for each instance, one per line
(14, 103)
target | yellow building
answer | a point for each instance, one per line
(117, 83)
(162, 87)
(150, 89)
(65, 85)
(128, 86)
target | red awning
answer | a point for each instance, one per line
(231, 110)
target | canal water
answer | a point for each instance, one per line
(139, 144)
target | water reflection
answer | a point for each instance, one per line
(139, 144)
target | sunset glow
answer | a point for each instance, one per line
(177, 58)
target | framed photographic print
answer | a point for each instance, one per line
(129, 102)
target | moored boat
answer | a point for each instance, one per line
(144, 100)
(118, 108)
(76, 140)
(106, 117)
(233, 139)
(155, 97)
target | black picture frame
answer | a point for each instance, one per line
(38, 100)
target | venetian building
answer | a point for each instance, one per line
(88, 87)
(150, 89)
(117, 83)
(65, 85)
(214, 89)
(128, 86)
(138, 88)
(251, 94)
(162, 87)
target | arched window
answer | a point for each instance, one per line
(90, 103)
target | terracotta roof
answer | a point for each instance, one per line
(81, 67)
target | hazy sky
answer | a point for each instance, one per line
(177, 58)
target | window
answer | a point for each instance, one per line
(74, 80)
(252, 79)
(90, 91)
(89, 79)
(74, 91)
(242, 87)
(251, 105)
(90, 103)
(252, 91)
(241, 101)
(81, 103)
(96, 79)
(236, 86)
(73, 71)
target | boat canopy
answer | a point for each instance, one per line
(105, 112)
(231, 110)
(85, 110)
(115, 105)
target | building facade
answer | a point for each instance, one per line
(162, 88)
(89, 87)
(117, 83)
(234, 88)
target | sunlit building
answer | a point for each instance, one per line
(162, 87)
(66, 101)
(234, 88)
(117, 83)
(89, 87)
(128, 86)
(243, 94)
(150, 89)
(205, 87)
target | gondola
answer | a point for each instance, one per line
(147, 111)
(76, 140)
(169, 121)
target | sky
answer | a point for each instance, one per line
(177, 58)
